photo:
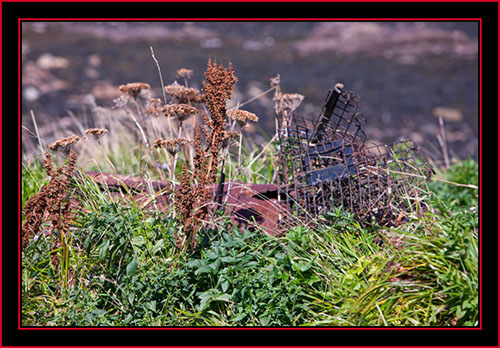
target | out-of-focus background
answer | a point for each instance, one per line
(408, 74)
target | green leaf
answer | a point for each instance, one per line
(225, 285)
(158, 246)
(138, 241)
(151, 305)
(239, 317)
(204, 269)
(222, 297)
(132, 266)
(103, 251)
(228, 259)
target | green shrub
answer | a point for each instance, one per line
(124, 269)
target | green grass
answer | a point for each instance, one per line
(123, 267)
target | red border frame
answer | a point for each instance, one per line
(20, 20)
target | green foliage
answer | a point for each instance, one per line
(458, 197)
(125, 270)
(32, 178)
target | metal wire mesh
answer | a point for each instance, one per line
(326, 164)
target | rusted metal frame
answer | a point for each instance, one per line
(348, 97)
(327, 112)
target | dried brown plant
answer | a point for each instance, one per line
(65, 145)
(154, 107)
(181, 111)
(183, 94)
(184, 73)
(242, 116)
(192, 198)
(173, 146)
(51, 203)
(275, 81)
(287, 102)
(218, 87)
(96, 133)
(228, 135)
(134, 88)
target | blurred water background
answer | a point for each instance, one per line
(408, 74)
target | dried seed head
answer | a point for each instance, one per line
(172, 146)
(174, 89)
(185, 73)
(227, 137)
(290, 101)
(275, 81)
(134, 88)
(121, 101)
(181, 111)
(159, 143)
(154, 101)
(96, 133)
(184, 94)
(154, 107)
(64, 145)
(242, 116)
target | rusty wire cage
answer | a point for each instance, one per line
(326, 164)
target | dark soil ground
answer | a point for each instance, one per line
(407, 74)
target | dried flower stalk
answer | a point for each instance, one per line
(96, 133)
(65, 145)
(134, 88)
(242, 116)
(183, 94)
(192, 198)
(288, 102)
(51, 203)
(173, 146)
(181, 111)
(184, 73)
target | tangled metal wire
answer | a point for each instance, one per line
(326, 164)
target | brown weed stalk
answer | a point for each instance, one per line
(192, 198)
(51, 203)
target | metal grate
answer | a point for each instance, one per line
(326, 164)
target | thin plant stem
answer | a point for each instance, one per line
(442, 142)
(143, 135)
(254, 98)
(140, 112)
(107, 158)
(37, 134)
(263, 149)
(172, 171)
(239, 151)
(169, 162)
(162, 89)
